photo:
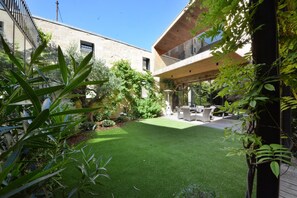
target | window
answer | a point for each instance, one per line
(1, 28)
(146, 64)
(86, 47)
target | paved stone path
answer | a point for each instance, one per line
(216, 122)
(288, 181)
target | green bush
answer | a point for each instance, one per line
(148, 108)
(108, 123)
(88, 126)
(130, 91)
(89, 170)
(104, 113)
(196, 191)
(122, 118)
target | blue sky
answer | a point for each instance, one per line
(136, 22)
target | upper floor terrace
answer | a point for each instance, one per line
(183, 57)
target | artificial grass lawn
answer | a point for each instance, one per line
(158, 157)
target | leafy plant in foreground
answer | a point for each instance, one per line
(36, 118)
(91, 169)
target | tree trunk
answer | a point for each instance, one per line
(265, 52)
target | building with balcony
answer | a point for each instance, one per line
(17, 27)
(106, 49)
(182, 58)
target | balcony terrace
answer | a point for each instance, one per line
(184, 58)
(17, 21)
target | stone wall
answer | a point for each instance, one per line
(105, 48)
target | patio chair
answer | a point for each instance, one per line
(187, 114)
(204, 116)
(199, 108)
(212, 110)
(180, 114)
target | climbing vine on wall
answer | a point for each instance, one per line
(138, 92)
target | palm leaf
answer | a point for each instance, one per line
(53, 129)
(4, 129)
(47, 68)
(50, 130)
(63, 66)
(35, 54)
(35, 80)
(4, 107)
(74, 111)
(11, 56)
(37, 142)
(42, 76)
(84, 63)
(5, 172)
(19, 119)
(76, 82)
(73, 63)
(39, 120)
(28, 90)
(39, 92)
(16, 186)
(13, 156)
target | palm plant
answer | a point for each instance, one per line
(36, 117)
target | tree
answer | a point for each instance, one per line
(240, 22)
(104, 82)
(97, 94)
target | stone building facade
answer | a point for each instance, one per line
(106, 49)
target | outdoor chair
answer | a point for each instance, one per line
(180, 114)
(187, 114)
(204, 116)
(199, 108)
(212, 110)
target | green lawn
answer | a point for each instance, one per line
(158, 157)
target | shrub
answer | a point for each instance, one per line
(196, 191)
(90, 170)
(138, 91)
(88, 126)
(148, 108)
(107, 123)
(104, 113)
(122, 118)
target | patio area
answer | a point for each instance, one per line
(215, 122)
(288, 182)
